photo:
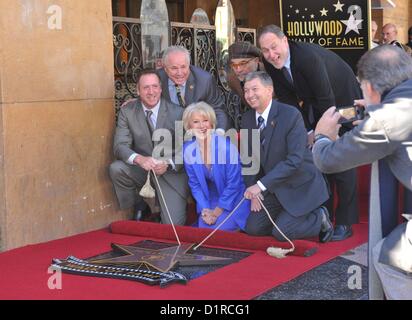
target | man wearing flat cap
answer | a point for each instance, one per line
(244, 58)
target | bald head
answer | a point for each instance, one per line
(389, 33)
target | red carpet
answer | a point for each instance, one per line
(235, 240)
(23, 271)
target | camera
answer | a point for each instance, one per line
(350, 113)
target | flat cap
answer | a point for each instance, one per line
(243, 49)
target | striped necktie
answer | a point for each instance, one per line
(261, 126)
(180, 98)
(150, 121)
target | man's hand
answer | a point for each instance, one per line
(253, 192)
(160, 168)
(147, 163)
(328, 125)
(359, 103)
(255, 205)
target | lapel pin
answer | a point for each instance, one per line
(191, 87)
(272, 123)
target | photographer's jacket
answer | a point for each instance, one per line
(385, 133)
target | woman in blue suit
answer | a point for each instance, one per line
(213, 166)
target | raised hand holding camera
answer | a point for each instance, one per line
(328, 125)
(351, 113)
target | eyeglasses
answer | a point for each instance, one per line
(240, 64)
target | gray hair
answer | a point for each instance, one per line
(385, 67)
(199, 107)
(173, 49)
(262, 76)
(277, 31)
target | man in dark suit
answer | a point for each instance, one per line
(137, 153)
(292, 187)
(313, 79)
(184, 84)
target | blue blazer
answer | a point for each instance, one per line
(226, 173)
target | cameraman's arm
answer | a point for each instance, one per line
(364, 144)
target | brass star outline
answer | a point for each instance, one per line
(162, 260)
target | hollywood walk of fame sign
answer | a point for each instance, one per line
(339, 25)
(150, 266)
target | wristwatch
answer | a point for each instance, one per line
(320, 136)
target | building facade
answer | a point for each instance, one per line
(57, 105)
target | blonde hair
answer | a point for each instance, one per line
(202, 108)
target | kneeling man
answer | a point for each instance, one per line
(134, 148)
(292, 187)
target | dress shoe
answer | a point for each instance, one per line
(326, 228)
(341, 232)
(152, 217)
(140, 213)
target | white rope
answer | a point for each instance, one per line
(275, 251)
(272, 251)
(218, 227)
(167, 209)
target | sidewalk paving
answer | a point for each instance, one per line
(342, 278)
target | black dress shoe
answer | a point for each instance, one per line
(138, 215)
(140, 211)
(152, 217)
(341, 232)
(326, 229)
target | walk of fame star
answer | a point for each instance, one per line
(161, 259)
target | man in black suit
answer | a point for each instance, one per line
(313, 79)
(292, 187)
(184, 84)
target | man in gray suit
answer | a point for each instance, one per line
(385, 135)
(184, 84)
(292, 187)
(136, 152)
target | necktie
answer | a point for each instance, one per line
(180, 98)
(287, 75)
(261, 126)
(149, 121)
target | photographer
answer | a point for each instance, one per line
(385, 134)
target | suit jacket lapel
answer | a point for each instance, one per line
(165, 84)
(270, 128)
(292, 69)
(190, 89)
(162, 115)
(141, 120)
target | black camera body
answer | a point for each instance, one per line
(350, 113)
